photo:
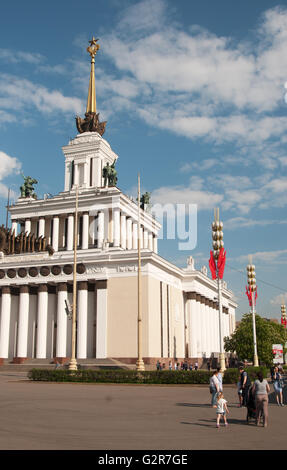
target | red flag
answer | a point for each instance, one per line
(221, 262)
(249, 295)
(212, 266)
(255, 297)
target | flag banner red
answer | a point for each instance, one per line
(221, 262)
(212, 266)
(249, 295)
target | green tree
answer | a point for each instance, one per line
(267, 333)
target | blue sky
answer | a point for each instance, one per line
(194, 96)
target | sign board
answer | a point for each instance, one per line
(277, 350)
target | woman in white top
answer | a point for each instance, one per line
(214, 388)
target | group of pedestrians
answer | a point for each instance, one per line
(184, 365)
(217, 398)
(248, 393)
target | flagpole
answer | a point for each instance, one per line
(139, 364)
(73, 362)
(217, 262)
(252, 292)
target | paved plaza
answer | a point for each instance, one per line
(46, 416)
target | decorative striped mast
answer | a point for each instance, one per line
(91, 101)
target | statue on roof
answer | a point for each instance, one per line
(91, 122)
(110, 174)
(27, 188)
(145, 200)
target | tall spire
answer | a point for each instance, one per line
(91, 102)
(91, 122)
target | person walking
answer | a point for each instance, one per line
(244, 385)
(214, 388)
(261, 389)
(239, 392)
(221, 409)
(278, 386)
(220, 379)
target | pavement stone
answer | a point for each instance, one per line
(61, 416)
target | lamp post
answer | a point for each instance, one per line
(283, 315)
(252, 296)
(139, 364)
(217, 264)
(73, 362)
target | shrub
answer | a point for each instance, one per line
(232, 375)
(121, 376)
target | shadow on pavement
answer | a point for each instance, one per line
(211, 423)
(203, 405)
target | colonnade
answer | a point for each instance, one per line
(203, 325)
(109, 225)
(96, 314)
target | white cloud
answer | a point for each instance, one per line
(276, 256)
(280, 299)
(19, 94)
(8, 166)
(202, 85)
(21, 56)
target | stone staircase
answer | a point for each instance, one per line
(90, 363)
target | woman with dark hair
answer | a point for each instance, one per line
(261, 390)
(278, 386)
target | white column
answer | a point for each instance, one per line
(116, 227)
(97, 172)
(93, 229)
(67, 175)
(61, 344)
(15, 227)
(141, 237)
(101, 290)
(5, 322)
(101, 228)
(42, 322)
(82, 320)
(86, 175)
(145, 238)
(27, 225)
(41, 227)
(85, 234)
(135, 235)
(123, 231)
(23, 323)
(129, 234)
(70, 232)
(55, 235)
(207, 328)
(155, 244)
(192, 325)
(202, 332)
(198, 329)
(150, 241)
(76, 174)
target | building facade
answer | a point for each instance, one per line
(180, 317)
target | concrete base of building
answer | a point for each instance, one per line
(19, 360)
(61, 360)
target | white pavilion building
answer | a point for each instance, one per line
(180, 316)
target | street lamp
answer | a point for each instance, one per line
(283, 315)
(251, 292)
(73, 362)
(139, 363)
(217, 265)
